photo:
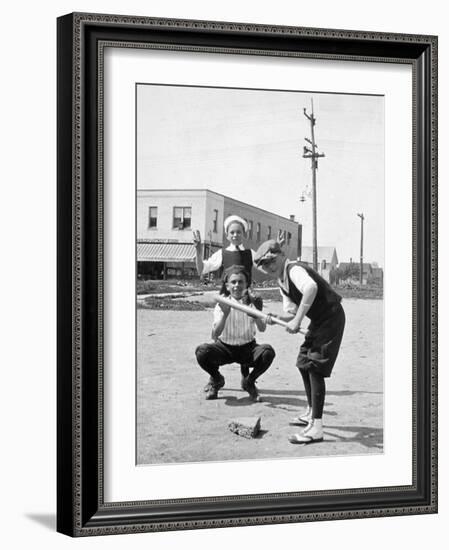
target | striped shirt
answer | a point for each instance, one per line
(239, 329)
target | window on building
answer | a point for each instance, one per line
(289, 238)
(258, 231)
(182, 217)
(250, 229)
(215, 221)
(269, 232)
(152, 217)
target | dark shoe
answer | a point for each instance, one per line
(249, 386)
(220, 381)
(212, 392)
(213, 386)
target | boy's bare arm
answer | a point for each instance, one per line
(220, 322)
(198, 252)
(308, 297)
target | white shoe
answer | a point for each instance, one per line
(312, 434)
(303, 419)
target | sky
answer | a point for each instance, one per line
(248, 144)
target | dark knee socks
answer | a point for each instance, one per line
(315, 388)
(306, 381)
(318, 391)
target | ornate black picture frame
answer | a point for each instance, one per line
(81, 509)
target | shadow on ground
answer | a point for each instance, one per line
(281, 399)
(371, 438)
(267, 398)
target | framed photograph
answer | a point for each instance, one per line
(247, 274)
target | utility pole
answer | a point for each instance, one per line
(362, 217)
(313, 155)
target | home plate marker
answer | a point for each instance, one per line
(248, 426)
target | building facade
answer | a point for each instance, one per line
(166, 219)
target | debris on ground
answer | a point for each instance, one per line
(246, 427)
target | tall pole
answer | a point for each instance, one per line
(362, 217)
(313, 155)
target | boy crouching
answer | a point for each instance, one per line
(234, 334)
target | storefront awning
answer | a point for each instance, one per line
(165, 252)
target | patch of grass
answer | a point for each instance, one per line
(268, 291)
(362, 293)
(169, 303)
(272, 294)
(168, 287)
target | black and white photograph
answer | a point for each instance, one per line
(260, 266)
(148, 147)
(246, 274)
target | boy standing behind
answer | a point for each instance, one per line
(306, 294)
(236, 229)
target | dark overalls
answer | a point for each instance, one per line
(321, 345)
(238, 257)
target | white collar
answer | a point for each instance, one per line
(284, 283)
(232, 247)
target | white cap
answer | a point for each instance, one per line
(235, 219)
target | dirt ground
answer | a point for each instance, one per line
(176, 424)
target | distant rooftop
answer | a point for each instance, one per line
(366, 265)
(323, 252)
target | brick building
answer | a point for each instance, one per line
(167, 217)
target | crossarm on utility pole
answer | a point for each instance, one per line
(313, 155)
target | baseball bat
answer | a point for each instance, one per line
(252, 312)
